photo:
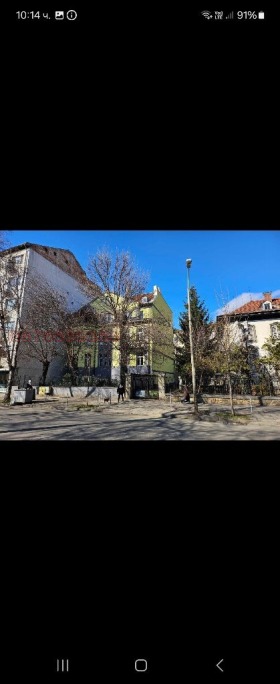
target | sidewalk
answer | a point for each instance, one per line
(132, 420)
(266, 416)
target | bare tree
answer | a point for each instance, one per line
(271, 360)
(49, 330)
(118, 307)
(35, 326)
(229, 355)
(12, 277)
(118, 281)
(44, 312)
(150, 338)
(77, 330)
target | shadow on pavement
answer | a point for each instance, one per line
(95, 427)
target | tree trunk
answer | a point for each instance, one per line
(195, 403)
(12, 370)
(200, 383)
(11, 376)
(123, 357)
(71, 370)
(72, 375)
(230, 394)
(45, 371)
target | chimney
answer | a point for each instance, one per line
(267, 296)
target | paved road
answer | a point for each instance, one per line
(131, 421)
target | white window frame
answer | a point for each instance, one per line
(144, 359)
(18, 259)
(10, 325)
(10, 304)
(15, 281)
(275, 331)
(137, 313)
(252, 333)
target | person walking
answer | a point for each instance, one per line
(120, 391)
(186, 394)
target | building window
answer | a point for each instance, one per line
(87, 360)
(10, 304)
(15, 282)
(249, 332)
(267, 306)
(10, 325)
(252, 336)
(141, 360)
(104, 360)
(139, 334)
(275, 331)
(137, 313)
(18, 259)
(144, 300)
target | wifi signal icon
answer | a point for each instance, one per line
(207, 15)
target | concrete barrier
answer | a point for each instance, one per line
(85, 392)
(23, 396)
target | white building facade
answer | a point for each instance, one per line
(59, 269)
(254, 323)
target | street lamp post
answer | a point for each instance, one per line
(246, 339)
(188, 263)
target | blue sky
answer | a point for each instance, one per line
(228, 266)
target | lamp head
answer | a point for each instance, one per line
(188, 262)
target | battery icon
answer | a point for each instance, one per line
(261, 15)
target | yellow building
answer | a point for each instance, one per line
(138, 343)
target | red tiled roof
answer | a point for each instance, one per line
(149, 295)
(256, 305)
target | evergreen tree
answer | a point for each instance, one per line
(202, 337)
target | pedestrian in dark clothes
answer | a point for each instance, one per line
(120, 391)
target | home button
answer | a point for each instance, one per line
(141, 665)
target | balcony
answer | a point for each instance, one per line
(139, 370)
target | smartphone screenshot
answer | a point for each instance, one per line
(148, 129)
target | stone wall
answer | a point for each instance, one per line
(241, 400)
